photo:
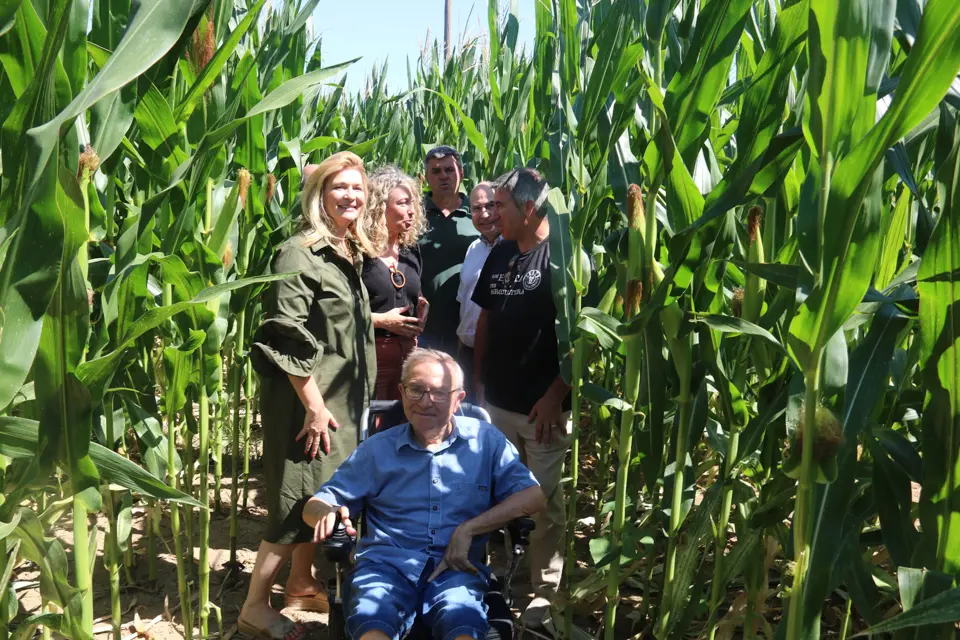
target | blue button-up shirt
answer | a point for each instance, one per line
(414, 497)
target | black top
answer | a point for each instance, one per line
(521, 360)
(444, 246)
(384, 296)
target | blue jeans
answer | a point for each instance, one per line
(379, 597)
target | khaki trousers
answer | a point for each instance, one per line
(546, 462)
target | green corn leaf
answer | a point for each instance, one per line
(158, 127)
(569, 48)
(110, 119)
(600, 325)
(75, 46)
(763, 104)
(65, 410)
(867, 378)
(839, 54)
(695, 89)
(28, 279)
(96, 374)
(939, 609)
(611, 43)
(19, 439)
(49, 556)
(212, 71)
(226, 221)
(8, 11)
(938, 282)
(891, 488)
(155, 26)
(732, 324)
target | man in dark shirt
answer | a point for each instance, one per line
(443, 246)
(518, 365)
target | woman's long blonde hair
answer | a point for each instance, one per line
(382, 182)
(315, 222)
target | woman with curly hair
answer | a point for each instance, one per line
(315, 356)
(394, 224)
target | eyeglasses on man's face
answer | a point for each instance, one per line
(417, 392)
(486, 206)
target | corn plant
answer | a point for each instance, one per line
(763, 362)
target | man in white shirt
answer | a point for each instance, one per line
(484, 218)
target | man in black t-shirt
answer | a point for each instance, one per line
(518, 366)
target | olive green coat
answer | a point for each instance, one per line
(317, 323)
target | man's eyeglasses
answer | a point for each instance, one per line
(436, 395)
(487, 206)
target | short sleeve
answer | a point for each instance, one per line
(352, 483)
(481, 291)
(510, 476)
(283, 344)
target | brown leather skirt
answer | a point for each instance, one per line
(391, 352)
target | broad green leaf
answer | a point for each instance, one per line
(276, 99)
(695, 89)
(8, 9)
(561, 253)
(96, 374)
(868, 374)
(158, 128)
(938, 282)
(154, 27)
(18, 439)
(28, 279)
(569, 48)
(611, 42)
(110, 119)
(65, 409)
(212, 70)
(601, 325)
(731, 324)
(764, 100)
(939, 609)
(839, 48)
(603, 396)
(75, 46)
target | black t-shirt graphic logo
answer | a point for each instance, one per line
(531, 279)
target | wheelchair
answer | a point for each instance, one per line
(337, 549)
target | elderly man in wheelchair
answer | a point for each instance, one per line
(430, 491)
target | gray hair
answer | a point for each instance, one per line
(419, 355)
(525, 185)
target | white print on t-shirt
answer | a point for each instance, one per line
(531, 279)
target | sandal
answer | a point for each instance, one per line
(282, 628)
(318, 603)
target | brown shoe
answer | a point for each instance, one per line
(317, 603)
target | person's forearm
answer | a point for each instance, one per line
(315, 510)
(558, 389)
(521, 504)
(308, 392)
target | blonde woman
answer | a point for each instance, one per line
(394, 224)
(315, 355)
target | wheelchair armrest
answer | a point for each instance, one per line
(520, 529)
(338, 546)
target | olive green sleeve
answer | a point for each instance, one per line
(283, 344)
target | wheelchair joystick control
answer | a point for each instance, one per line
(338, 545)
